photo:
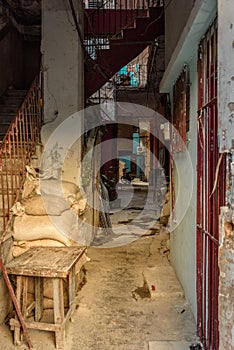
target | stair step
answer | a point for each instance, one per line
(4, 123)
(12, 101)
(145, 30)
(14, 171)
(10, 192)
(6, 118)
(9, 108)
(4, 127)
(16, 92)
(14, 95)
(17, 163)
(4, 113)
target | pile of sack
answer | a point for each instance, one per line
(49, 214)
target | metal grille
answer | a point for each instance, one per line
(108, 18)
(16, 151)
(210, 192)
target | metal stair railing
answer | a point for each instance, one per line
(104, 19)
(16, 150)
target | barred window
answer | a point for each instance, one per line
(181, 93)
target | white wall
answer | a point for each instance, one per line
(183, 239)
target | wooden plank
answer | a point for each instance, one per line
(46, 261)
(41, 326)
(38, 298)
(30, 308)
(71, 286)
(69, 313)
(17, 330)
(24, 296)
(59, 311)
(15, 302)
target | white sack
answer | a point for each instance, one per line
(48, 205)
(58, 188)
(29, 228)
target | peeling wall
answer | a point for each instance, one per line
(226, 283)
(63, 71)
(226, 74)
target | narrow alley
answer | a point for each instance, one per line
(122, 314)
(116, 174)
(115, 307)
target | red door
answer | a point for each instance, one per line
(210, 193)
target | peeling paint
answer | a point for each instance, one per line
(231, 106)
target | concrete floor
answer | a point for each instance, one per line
(126, 303)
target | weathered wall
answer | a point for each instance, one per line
(62, 58)
(176, 16)
(226, 74)
(226, 137)
(226, 283)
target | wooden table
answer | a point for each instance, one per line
(57, 263)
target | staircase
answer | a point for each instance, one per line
(115, 36)
(20, 123)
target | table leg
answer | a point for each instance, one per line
(24, 296)
(18, 294)
(38, 298)
(72, 287)
(59, 312)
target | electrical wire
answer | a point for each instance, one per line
(76, 22)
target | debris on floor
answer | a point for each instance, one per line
(165, 246)
(142, 292)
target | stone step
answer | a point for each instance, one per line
(169, 345)
(162, 282)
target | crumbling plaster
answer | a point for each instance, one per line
(62, 63)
